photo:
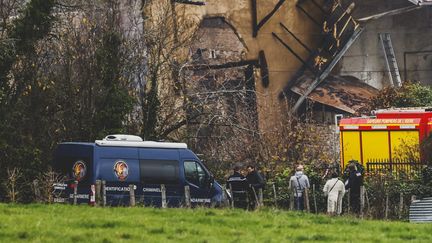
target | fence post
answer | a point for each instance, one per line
(226, 202)
(338, 203)
(260, 197)
(292, 199)
(391, 166)
(187, 196)
(75, 193)
(275, 195)
(306, 200)
(367, 201)
(401, 205)
(132, 195)
(256, 198)
(413, 198)
(142, 198)
(232, 196)
(104, 202)
(349, 201)
(37, 190)
(362, 200)
(98, 193)
(314, 198)
(247, 199)
(163, 191)
(386, 206)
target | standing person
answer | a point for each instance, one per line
(334, 189)
(256, 181)
(353, 184)
(298, 183)
(239, 187)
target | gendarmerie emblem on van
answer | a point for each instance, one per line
(121, 170)
(79, 170)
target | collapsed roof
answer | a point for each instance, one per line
(345, 93)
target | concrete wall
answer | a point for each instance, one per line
(409, 32)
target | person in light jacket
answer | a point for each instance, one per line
(334, 189)
(298, 183)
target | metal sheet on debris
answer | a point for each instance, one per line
(345, 93)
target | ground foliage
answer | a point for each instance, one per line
(410, 94)
(44, 223)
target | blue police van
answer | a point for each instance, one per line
(124, 160)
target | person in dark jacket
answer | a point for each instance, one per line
(256, 182)
(255, 179)
(239, 188)
(353, 184)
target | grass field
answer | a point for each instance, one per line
(62, 223)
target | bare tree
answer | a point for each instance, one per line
(13, 184)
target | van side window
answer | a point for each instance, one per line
(159, 171)
(194, 173)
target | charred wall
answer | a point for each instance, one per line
(244, 16)
(224, 83)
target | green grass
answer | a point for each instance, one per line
(62, 223)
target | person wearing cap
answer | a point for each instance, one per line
(298, 183)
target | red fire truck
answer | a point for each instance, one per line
(385, 136)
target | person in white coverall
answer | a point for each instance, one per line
(333, 188)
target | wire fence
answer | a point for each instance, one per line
(375, 201)
(386, 193)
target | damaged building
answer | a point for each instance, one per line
(329, 55)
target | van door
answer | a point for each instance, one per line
(73, 162)
(199, 182)
(154, 173)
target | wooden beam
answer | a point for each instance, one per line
(258, 26)
(268, 16)
(222, 66)
(293, 52)
(389, 13)
(189, 2)
(295, 37)
(327, 70)
(254, 19)
(264, 69)
(309, 16)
